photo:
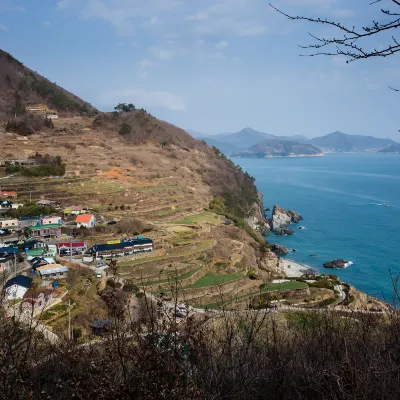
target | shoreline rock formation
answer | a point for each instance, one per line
(282, 219)
(339, 263)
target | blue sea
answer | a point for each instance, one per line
(341, 198)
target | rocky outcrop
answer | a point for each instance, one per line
(279, 249)
(339, 263)
(256, 219)
(281, 219)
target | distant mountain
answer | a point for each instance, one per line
(393, 148)
(230, 143)
(340, 142)
(280, 148)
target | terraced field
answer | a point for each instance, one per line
(215, 280)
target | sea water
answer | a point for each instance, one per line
(342, 198)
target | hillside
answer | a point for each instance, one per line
(393, 148)
(341, 142)
(20, 86)
(280, 148)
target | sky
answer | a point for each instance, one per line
(209, 65)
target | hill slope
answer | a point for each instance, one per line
(338, 141)
(280, 148)
(20, 86)
(393, 148)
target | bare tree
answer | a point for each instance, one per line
(353, 42)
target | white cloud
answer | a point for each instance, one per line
(233, 17)
(218, 56)
(146, 99)
(123, 14)
(46, 23)
(144, 66)
(200, 42)
(166, 53)
(3, 28)
(64, 4)
(5, 5)
(221, 45)
(200, 16)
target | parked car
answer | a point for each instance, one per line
(112, 223)
(101, 264)
(98, 275)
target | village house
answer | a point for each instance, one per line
(25, 222)
(8, 195)
(36, 299)
(121, 249)
(86, 221)
(6, 262)
(29, 244)
(49, 203)
(48, 251)
(52, 271)
(9, 223)
(16, 287)
(76, 247)
(15, 206)
(75, 210)
(45, 231)
(51, 220)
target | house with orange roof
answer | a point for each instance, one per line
(12, 195)
(85, 221)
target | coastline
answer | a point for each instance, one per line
(294, 269)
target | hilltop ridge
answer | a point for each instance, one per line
(20, 86)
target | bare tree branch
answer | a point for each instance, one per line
(350, 43)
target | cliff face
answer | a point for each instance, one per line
(257, 220)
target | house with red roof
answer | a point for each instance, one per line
(86, 221)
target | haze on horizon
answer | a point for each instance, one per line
(212, 66)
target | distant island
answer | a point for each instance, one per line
(280, 148)
(251, 143)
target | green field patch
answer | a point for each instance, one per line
(272, 287)
(214, 280)
(179, 278)
(158, 188)
(204, 216)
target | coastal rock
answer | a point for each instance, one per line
(279, 249)
(257, 220)
(281, 219)
(339, 263)
(288, 231)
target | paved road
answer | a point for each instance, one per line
(341, 293)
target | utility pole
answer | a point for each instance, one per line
(70, 248)
(69, 319)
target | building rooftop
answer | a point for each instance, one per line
(84, 218)
(44, 226)
(52, 269)
(20, 280)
